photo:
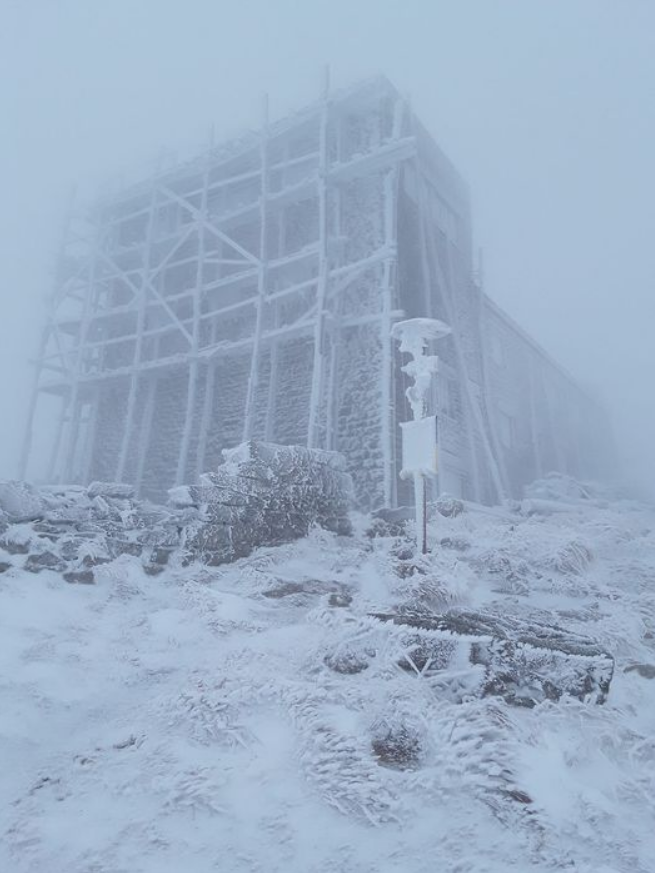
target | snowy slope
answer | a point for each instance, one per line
(226, 719)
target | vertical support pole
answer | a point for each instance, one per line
(72, 439)
(31, 411)
(43, 345)
(54, 457)
(249, 416)
(332, 399)
(534, 425)
(87, 469)
(194, 363)
(331, 429)
(138, 343)
(271, 400)
(313, 438)
(331, 422)
(421, 513)
(386, 387)
(206, 418)
(75, 407)
(207, 408)
(146, 429)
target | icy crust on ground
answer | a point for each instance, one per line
(257, 717)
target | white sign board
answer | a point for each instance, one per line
(419, 447)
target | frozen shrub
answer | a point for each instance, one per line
(396, 744)
(449, 507)
(573, 558)
(265, 495)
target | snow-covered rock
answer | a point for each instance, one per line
(115, 490)
(265, 494)
(19, 501)
(525, 662)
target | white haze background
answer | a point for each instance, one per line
(546, 108)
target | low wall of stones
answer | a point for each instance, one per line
(263, 495)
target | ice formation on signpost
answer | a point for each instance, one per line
(419, 435)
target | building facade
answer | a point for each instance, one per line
(250, 293)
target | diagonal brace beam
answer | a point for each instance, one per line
(197, 214)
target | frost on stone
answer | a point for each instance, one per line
(20, 502)
(524, 662)
(114, 490)
(76, 531)
(506, 572)
(557, 486)
(396, 744)
(573, 558)
(265, 495)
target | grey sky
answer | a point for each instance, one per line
(547, 107)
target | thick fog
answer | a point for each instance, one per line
(546, 108)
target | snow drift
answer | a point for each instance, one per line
(257, 716)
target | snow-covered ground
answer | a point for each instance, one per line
(194, 721)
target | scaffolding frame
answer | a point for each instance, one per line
(80, 360)
(243, 288)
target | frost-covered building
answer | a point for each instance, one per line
(251, 293)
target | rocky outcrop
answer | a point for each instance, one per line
(524, 662)
(262, 495)
(19, 502)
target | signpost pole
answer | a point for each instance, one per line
(420, 434)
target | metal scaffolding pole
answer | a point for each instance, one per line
(31, 412)
(253, 379)
(195, 344)
(207, 410)
(313, 435)
(534, 424)
(142, 293)
(75, 407)
(146, 429)
(56, 446)
(46, 335)
(386, 372)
